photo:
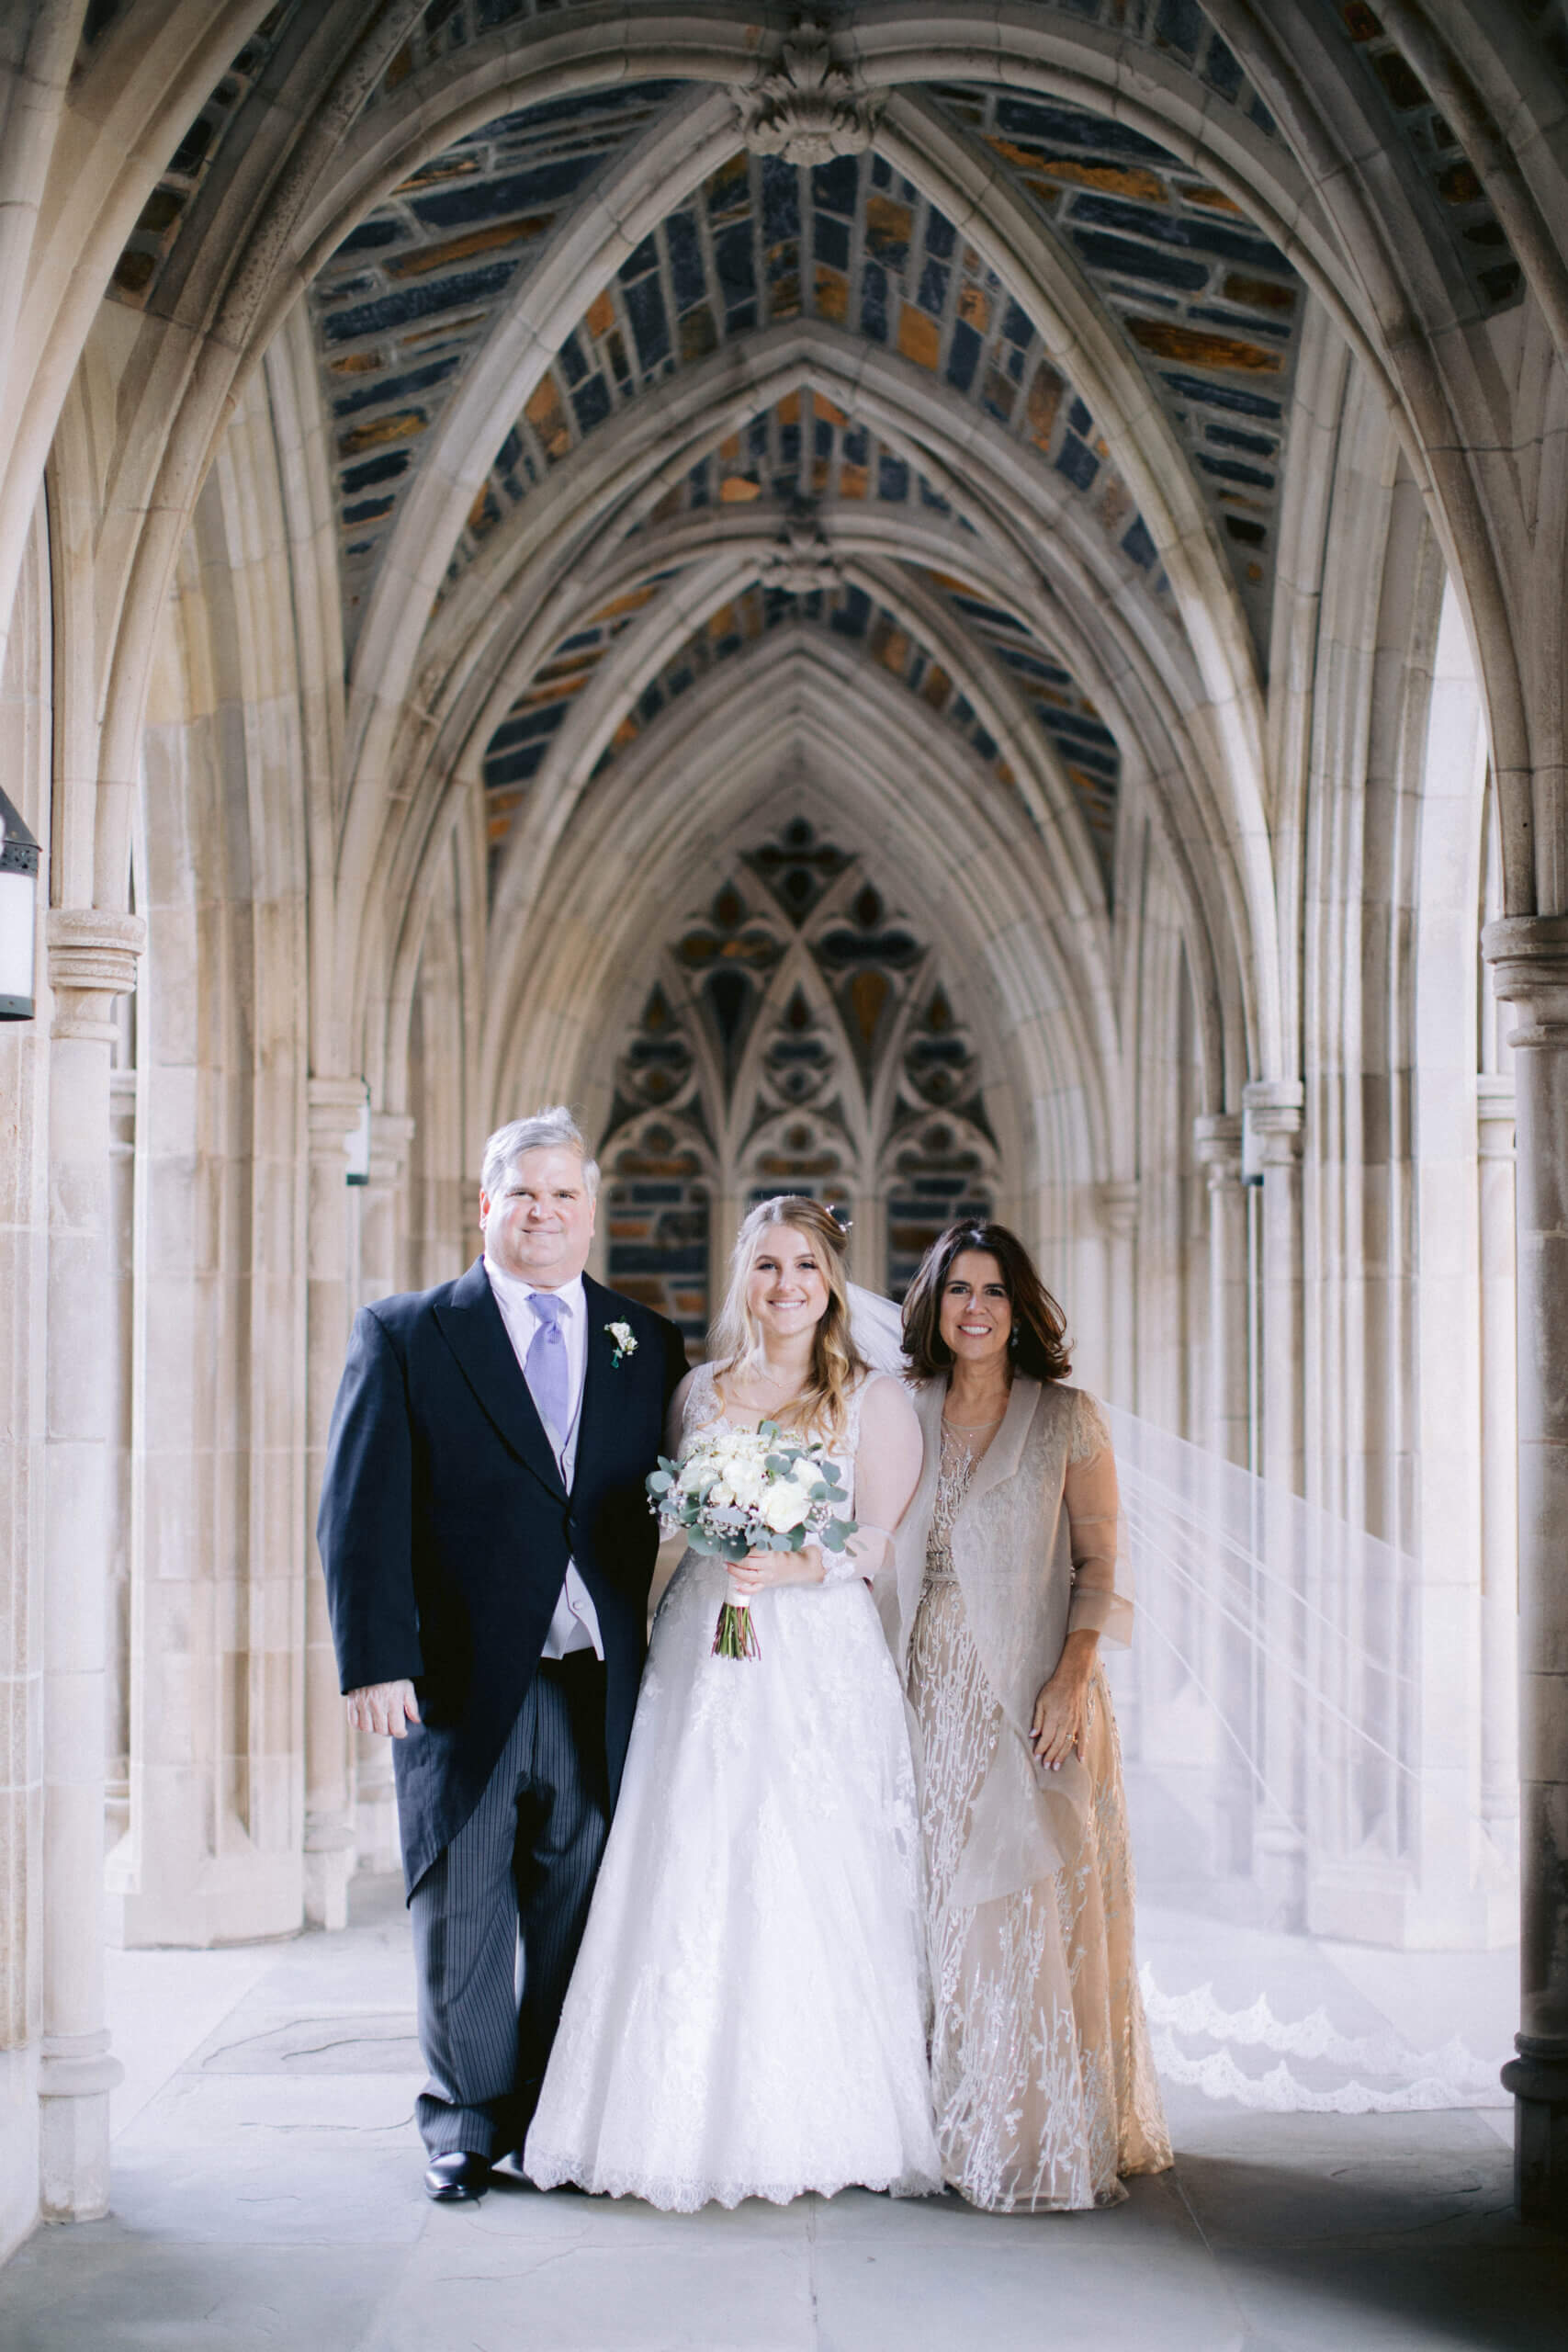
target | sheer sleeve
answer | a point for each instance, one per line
(675, 1419)
(1102, 1598)
(887, 1471)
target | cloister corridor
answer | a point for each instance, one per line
(956, 607)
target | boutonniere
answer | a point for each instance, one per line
(625, 1339)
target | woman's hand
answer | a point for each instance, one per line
(1061, 1711)
(758, 1570)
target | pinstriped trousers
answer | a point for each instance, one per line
(507, 1898)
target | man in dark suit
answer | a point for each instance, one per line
(487, 1547)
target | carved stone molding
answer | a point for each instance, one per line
(802, 559)
(1274, 1118)
(806, 108)
(1118, 1205)
(391, 1133)
(1529, 955)
(333, 1105)
(1495, 1111)
(92, 959)
(1217, 1148)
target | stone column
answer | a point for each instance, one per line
(335, 1104)
(1217, 1143)
(1528, 955)
(118, 1620)
(1118, 1203)
(1273, 1122)
(868, 1241)
(92, 959)
(377, 1845)
(724, 1224)
(1499, 1450)
(380, 1202)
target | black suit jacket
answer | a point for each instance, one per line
(445, 1530)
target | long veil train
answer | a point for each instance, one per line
(1279, 1644)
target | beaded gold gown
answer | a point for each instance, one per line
(1044, 2090)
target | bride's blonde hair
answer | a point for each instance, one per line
(836, 1362)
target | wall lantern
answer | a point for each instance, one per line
(19, 914)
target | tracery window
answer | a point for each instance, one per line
(796, 1036)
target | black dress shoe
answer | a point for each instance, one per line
(457, 2179)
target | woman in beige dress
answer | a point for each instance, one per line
(1009, 1575)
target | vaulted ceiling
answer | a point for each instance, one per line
(985, 380)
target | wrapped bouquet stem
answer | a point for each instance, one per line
(750, 1490)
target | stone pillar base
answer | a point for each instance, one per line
(1539, 2080)
(1278, 1868)
(329, 1864)
(377, 1845)
(74, 2082)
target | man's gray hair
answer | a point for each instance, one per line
(554, 1124)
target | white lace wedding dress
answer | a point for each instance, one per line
(747, 2016)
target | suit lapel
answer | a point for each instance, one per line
(471, 1325)
(1002, 1457)
(598, 1351)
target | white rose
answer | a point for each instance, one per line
(721, 1494)
(782, 1509)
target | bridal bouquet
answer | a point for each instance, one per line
(750, 1490)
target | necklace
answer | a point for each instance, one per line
(967, 1428)
(770, 1385)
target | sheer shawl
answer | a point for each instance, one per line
(1039, 1550)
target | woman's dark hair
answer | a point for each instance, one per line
(1038, 1344)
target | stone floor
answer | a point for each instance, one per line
(266, 2193)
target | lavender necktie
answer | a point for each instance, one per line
(545, 1369)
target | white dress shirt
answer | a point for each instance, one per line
(575, 1623)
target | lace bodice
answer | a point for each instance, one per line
(958, 1463)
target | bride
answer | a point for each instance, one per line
(747, 2014)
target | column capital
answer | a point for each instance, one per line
(1273, 1114)
(92, 953)
(391, 1132)
(1118, 1205)
(1529, 955)
(332, 1105)
(1496, 1110)
(1217, 1147)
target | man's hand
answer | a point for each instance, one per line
(384, 1707)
